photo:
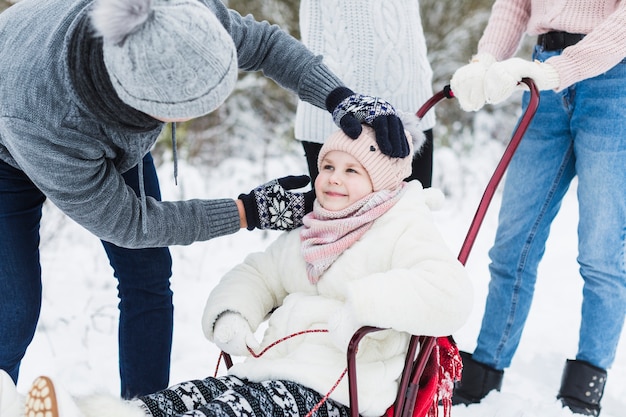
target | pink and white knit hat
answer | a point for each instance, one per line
(385, 172)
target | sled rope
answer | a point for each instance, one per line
(258, 355)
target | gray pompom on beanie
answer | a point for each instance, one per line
(167, 58)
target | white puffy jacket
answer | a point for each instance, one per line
(399, 275)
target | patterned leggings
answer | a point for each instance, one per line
(229, 396)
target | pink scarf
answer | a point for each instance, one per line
(327, 234)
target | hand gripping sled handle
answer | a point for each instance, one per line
(519, 132)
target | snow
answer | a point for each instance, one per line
(76, 341)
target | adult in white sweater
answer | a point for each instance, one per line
(379, 47)
(368, 254)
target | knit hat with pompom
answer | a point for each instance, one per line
(386, 173)
(166, 58)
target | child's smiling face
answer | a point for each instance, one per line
(342, 181)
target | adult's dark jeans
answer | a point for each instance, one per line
(146, 309)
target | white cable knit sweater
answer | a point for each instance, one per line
(376, 47)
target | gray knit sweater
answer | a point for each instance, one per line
(76, 159)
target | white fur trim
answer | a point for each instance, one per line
(413, 125)
(434, 198)
(103, 405)
(11, 403)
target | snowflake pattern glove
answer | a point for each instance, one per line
(272, 206)
(349, 110)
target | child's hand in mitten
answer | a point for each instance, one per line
(341, 327)
(233, 335)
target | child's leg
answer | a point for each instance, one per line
(212, 397)
(228, 396)
(47, 400)
(269, 398)
(187, 396)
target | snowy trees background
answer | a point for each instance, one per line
(257, 119)
(256, 122)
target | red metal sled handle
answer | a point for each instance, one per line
(519, 132)
(446, 92)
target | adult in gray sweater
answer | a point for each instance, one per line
(85, 89)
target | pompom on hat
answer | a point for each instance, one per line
(166, 58)
(386, 173)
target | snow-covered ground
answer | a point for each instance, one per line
(76, 341)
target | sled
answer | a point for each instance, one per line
(418, 393)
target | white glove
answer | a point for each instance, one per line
(233, 335)
(504, 78)
(341, 327)
(467, 83)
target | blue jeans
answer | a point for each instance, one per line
(146, 310)
(580, 131)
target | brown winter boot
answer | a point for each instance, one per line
(477, 380)
(41, 400)
(582, 386)
(47, 400)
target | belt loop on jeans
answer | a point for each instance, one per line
(554, 41)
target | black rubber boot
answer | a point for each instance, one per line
(477, 380)
(582, 386)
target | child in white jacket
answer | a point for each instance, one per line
(368, 254)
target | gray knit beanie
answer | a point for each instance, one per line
(166, 58)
